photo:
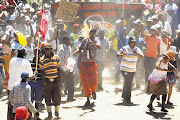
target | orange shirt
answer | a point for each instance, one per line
(151, 45)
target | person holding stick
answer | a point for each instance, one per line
(36, 84)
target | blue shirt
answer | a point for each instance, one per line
(175, 19)
(122, 41)
(15, 45)
(76, 43)
(140, 43)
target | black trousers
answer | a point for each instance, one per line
(68, 80)
(128, 78)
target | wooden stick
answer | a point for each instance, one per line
(37, 55)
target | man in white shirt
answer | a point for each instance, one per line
(17, 66)
(170, 7)
(101, 56)
(66, 73)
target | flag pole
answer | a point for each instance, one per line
(37, 55)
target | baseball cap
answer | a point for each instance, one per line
(131, 39)
(24, 75)
(21, 113)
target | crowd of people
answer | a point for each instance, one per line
(33, 68)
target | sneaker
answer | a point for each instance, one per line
(94, 95)
(49, 115)
(169, 103)
(87, 103)
(150, 107)
(164, 110)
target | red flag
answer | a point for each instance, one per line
(43, 24)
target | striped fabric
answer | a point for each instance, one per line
(128, 62)
(50, 66)
(86, 46)
(33, 65)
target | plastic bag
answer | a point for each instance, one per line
(70, 63)
(21, 39)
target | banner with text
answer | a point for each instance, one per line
(110, 11)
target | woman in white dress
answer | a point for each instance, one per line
(157, 80)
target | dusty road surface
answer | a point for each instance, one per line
(109, 105)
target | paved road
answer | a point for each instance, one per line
(109, 106)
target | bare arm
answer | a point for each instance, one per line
(158, 50)
(177, 73)
(55, 33)
(139, 55)
(170, 40)
(75, 52)
(157, 66)
(120, 54)
(95, 45)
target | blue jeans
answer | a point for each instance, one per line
(36, 91)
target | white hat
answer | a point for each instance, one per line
(173, 48)
(28, 8)
(153, 27)
(46, 5)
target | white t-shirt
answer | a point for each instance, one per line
(169, 8)
(16, 67)
(163, 47)
(167, 27)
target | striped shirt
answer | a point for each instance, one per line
(85, 46)
(33, 65)
(49, 66)
(128, 62)
(21, 96)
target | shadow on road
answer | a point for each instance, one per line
(158, 115)
(167, 106)
(117, 90)
(126, 104)
(53, 118)
(91, 108)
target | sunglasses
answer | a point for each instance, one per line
(48, 49)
